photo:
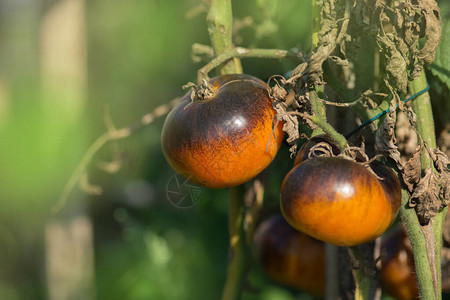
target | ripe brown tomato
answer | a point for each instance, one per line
(397, 275)
(225, 140)
(339, 201)
(290, 257)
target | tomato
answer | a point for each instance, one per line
(289, 257)
(339, 201)
(225, 140)
(397, 275)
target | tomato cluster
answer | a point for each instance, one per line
(229, 137)
(226, 139)
(339, 201)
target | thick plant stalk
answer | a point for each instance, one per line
(418, 244)
(432, 232)
(219, 21)
(238, 255)
(362, 280)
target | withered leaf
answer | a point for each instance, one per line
(413, 169)
(425, 197)
(441, 163)
(433, 31)
(385, 139)
(290, 126)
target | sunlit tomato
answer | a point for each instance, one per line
(339, 201)
(397, 275)
(225, 140)
(290, 257)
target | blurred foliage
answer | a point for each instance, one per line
(138, 58)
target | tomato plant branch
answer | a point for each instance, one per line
(219, 21)
(418, 244)
(425, 127)
(112, 134)
(328, 129)
(362, 280)
(422, 108)
(240, 52)
(316, 90)
(238, 260)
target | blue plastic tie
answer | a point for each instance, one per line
(367, 122)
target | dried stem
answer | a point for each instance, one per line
(112, 134)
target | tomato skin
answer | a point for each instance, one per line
(397, 275)
(224, 141)
(338, 201)
(290, 257)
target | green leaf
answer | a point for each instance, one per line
(441, 65)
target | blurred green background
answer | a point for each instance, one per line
(64, 65)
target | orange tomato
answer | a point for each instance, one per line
(226, 140)
(290, 257)
(339, 201)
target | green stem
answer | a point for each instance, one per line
(220, 21)
(240, 52)
(328, 129)
(362, 280)
(418, 244)
(317, 108)
(239, 255)
(422, 108)
(315, 23)
(425, 127)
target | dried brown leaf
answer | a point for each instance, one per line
(432, 31)
(425, 197)
(412, 170)
(385, 139)
(441, 163)
(290, 126)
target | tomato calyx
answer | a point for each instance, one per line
(324, 146)
(203, 91)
